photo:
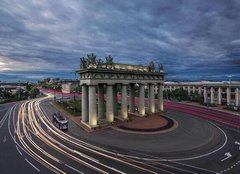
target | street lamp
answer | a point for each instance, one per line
(54, 93)
(229, 76)
(74, 99)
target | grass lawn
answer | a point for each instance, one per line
(73, 107)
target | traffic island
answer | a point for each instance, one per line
(152, 124)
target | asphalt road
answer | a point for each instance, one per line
(31, 144)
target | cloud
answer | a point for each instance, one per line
(33, 64)
(188, 36)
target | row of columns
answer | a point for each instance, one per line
(91, 114)
(219, 98)
(188, 88)
(219, 94)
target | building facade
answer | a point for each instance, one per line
(67, 87)
(221, 93)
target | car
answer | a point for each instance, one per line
(60, 121)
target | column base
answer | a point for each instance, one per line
(89, 126)
(122, 119)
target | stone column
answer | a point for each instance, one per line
(132, 98)
(219, 96)
(115, 101)
(100, 101)
(194, 88)
(228, 96)
(141, 105)
(205, 94)
(85, 103)
(92, 106)
(237, 97)
(151, 99)
(109, 111)
(160, 97)
(188, 89)
(199, 90)
(212, 95)
(124, 106)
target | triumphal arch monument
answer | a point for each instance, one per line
(113, 82)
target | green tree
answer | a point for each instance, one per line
(21, 94)
(34, 92)
(76, 89)
(177, 94)
(197, 98)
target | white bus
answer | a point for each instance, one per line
(60, 121)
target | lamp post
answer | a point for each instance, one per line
(54, 97)
(74, 99)
(229, 76)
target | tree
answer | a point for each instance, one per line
(177, 94)
(180, 94)
(34, 92)
(76, 89)
(197, 97)
(21, 94)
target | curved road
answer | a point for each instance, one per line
(31, 144)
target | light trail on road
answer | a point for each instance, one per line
(42, 141)
(212, 115)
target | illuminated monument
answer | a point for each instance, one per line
(101, 81)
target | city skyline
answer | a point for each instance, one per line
(194, 40)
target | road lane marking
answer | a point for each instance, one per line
(74, 169)
(32, 165)
(4, 118)
(64, 138)
(18, 150)
(237, 143)
(228, 155)
(194, 167)
(174, 167)
(207, 154)
(229, 168)
(156, 159)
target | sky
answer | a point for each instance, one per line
(193, 39)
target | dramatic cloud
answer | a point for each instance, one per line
(194, 39)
